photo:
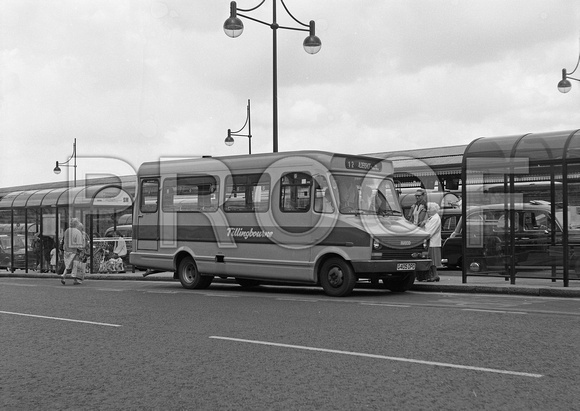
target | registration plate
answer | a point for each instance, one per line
(406, 267)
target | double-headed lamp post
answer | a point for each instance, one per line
(564, 85)
(230, 140)
(234, 27)
(57, 169)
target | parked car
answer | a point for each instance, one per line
(19, 253)
(125, 230)
(489, 245)
(450, 217)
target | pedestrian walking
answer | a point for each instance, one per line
(433, 227)
(73, 247)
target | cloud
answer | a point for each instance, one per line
(142, 80)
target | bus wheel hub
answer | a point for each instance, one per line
(335, 277)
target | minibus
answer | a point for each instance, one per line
(305, 217)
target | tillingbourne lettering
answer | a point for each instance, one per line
(245, 233)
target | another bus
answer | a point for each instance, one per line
(306, 217)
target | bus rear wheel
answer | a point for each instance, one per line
(337, 277)
(190, 277)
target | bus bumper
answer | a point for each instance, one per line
(391, 267)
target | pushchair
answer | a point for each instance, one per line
(99, 263)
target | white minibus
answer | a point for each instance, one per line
(306, 217)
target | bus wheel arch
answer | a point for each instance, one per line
(336, 276)
(189, 275)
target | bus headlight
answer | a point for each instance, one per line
(376, 245)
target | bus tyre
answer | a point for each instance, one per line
(190, 277)
(399, 284)
(337, 277)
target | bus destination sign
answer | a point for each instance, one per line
(367, 164)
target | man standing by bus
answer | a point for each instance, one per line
(418, 213)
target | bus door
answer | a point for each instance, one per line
(293, 211)
(146, 231)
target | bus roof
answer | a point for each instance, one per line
(332, 161)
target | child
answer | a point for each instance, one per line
(53, 260)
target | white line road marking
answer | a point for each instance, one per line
(21, 285)
(60, 319)
(386, 305)
(493, 311)
(217, 295)
(382, 357)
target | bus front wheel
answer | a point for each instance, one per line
(190, 277)
(337, 277)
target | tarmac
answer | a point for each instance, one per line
(450, 281)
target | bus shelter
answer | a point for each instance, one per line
(32, 223)
(521, 208)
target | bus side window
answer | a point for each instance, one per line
(149, 196)
(247, 193)
(295, 192)
(190, 193)
(322, 198)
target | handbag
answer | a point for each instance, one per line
(78, 269)
(60, 267)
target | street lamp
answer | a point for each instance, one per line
(229, 139)
(65, 163)
(234, 27)
(564, 85)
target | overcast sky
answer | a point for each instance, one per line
(139, 80)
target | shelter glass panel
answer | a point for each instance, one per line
(522, 207)
(37, 197)
(51, 198)
(542, 147)
(8, 199)
(573, 218)
(573, 149)
(494, 147)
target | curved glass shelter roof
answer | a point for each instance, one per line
(89, 196)
(35, 200)
(539, 147)
(8, 199)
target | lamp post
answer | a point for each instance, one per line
(57, 169)
(234, 27)
(229, 139)
(564, 85)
